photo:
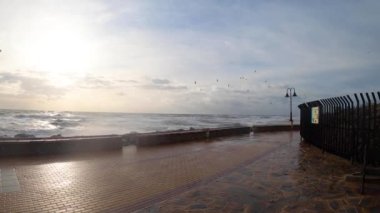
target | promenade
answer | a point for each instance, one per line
(264, 172)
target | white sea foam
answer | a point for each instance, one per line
(48, 123)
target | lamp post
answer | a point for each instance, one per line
(289, 94)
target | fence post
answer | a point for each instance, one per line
(352, 129)
(322, 123)
(341, 124)
(369, 126)
(375, 129)
(346, 122)
(330, 134)
(357, 126)
(338, 124)
(364, 142)
(336, 130)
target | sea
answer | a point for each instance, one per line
(52, 123)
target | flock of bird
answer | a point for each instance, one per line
(229, 86)
(243, 78)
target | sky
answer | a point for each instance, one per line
(199, 56)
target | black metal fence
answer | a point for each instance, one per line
(347, 126)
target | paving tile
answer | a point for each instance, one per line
(6, 177)
(300, 192)
(272, 172)
(7, 172)
(10, 189)
(10, 183)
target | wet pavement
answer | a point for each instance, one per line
(266, 172)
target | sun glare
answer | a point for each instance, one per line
(62, 51)
(59, 50)
(61, 80)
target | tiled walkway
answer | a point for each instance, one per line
(8, 181)
(263, 172)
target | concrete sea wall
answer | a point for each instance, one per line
(158, 138)
(275, 128)
(65, 145)
(59, 146)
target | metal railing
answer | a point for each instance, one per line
(347, 126)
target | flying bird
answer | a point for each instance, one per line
(243, 78)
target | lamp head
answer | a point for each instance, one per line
(294, 94)
(287, 95)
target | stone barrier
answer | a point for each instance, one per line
(275, 128)
(157, 138)
(22, 147)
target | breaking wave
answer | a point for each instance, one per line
(48, 123)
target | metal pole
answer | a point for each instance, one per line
(290, 94)
(291, 116)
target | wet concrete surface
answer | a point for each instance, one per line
(265, 172)
(296, 178)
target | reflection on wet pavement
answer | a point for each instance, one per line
(253, 173)
(296, 178)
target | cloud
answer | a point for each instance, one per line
(164, 86)
(101, 82)
(91, 82)
(160, 84)
(160, 81)
(30, 86)
(128, 81)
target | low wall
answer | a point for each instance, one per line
(275, 128)
(17, 147)
(157, 138)
(64, 145)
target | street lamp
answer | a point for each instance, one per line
(289, 94)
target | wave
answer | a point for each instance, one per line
(63, 123)
(48, 123)
(42, 115)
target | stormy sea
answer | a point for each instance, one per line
(50, 123)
